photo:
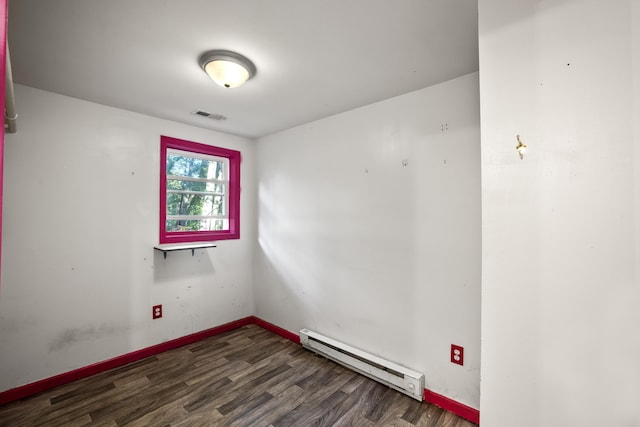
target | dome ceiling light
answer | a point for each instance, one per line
(226, 68)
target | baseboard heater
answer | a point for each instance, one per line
(395, 376)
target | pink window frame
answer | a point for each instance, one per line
(235, 158)
(3, 70)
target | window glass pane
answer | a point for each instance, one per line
(216, 187)
(197, 225)
(194, 167)
(196, 205)
(176, 184)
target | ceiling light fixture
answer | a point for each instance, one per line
(226, 68)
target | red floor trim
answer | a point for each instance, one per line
(461, 410)
(276, 330)
(66, 377)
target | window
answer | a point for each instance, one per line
(199, 192)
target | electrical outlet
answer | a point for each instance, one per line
(457, 354)
(157, 311)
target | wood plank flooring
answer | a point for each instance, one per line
(246, 377)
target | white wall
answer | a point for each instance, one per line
(79, 273)
(560, 260)
(385, 257)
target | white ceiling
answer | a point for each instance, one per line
(315, 58)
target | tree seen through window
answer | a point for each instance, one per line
(195, 188)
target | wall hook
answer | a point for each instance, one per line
(521, 147)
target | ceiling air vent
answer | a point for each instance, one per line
(208, 115)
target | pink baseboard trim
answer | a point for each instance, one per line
(66, 377)
(276, 330)
(461, 410)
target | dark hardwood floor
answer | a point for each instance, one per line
(246, 377)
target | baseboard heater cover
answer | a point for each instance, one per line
(395, 376)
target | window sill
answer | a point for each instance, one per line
(170, 247)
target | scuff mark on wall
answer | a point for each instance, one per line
(69, 337)
(8, 323)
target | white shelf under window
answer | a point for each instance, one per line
(170, 247)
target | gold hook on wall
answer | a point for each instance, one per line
(521, 147)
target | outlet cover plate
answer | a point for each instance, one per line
(157, 311)
(457, 354)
